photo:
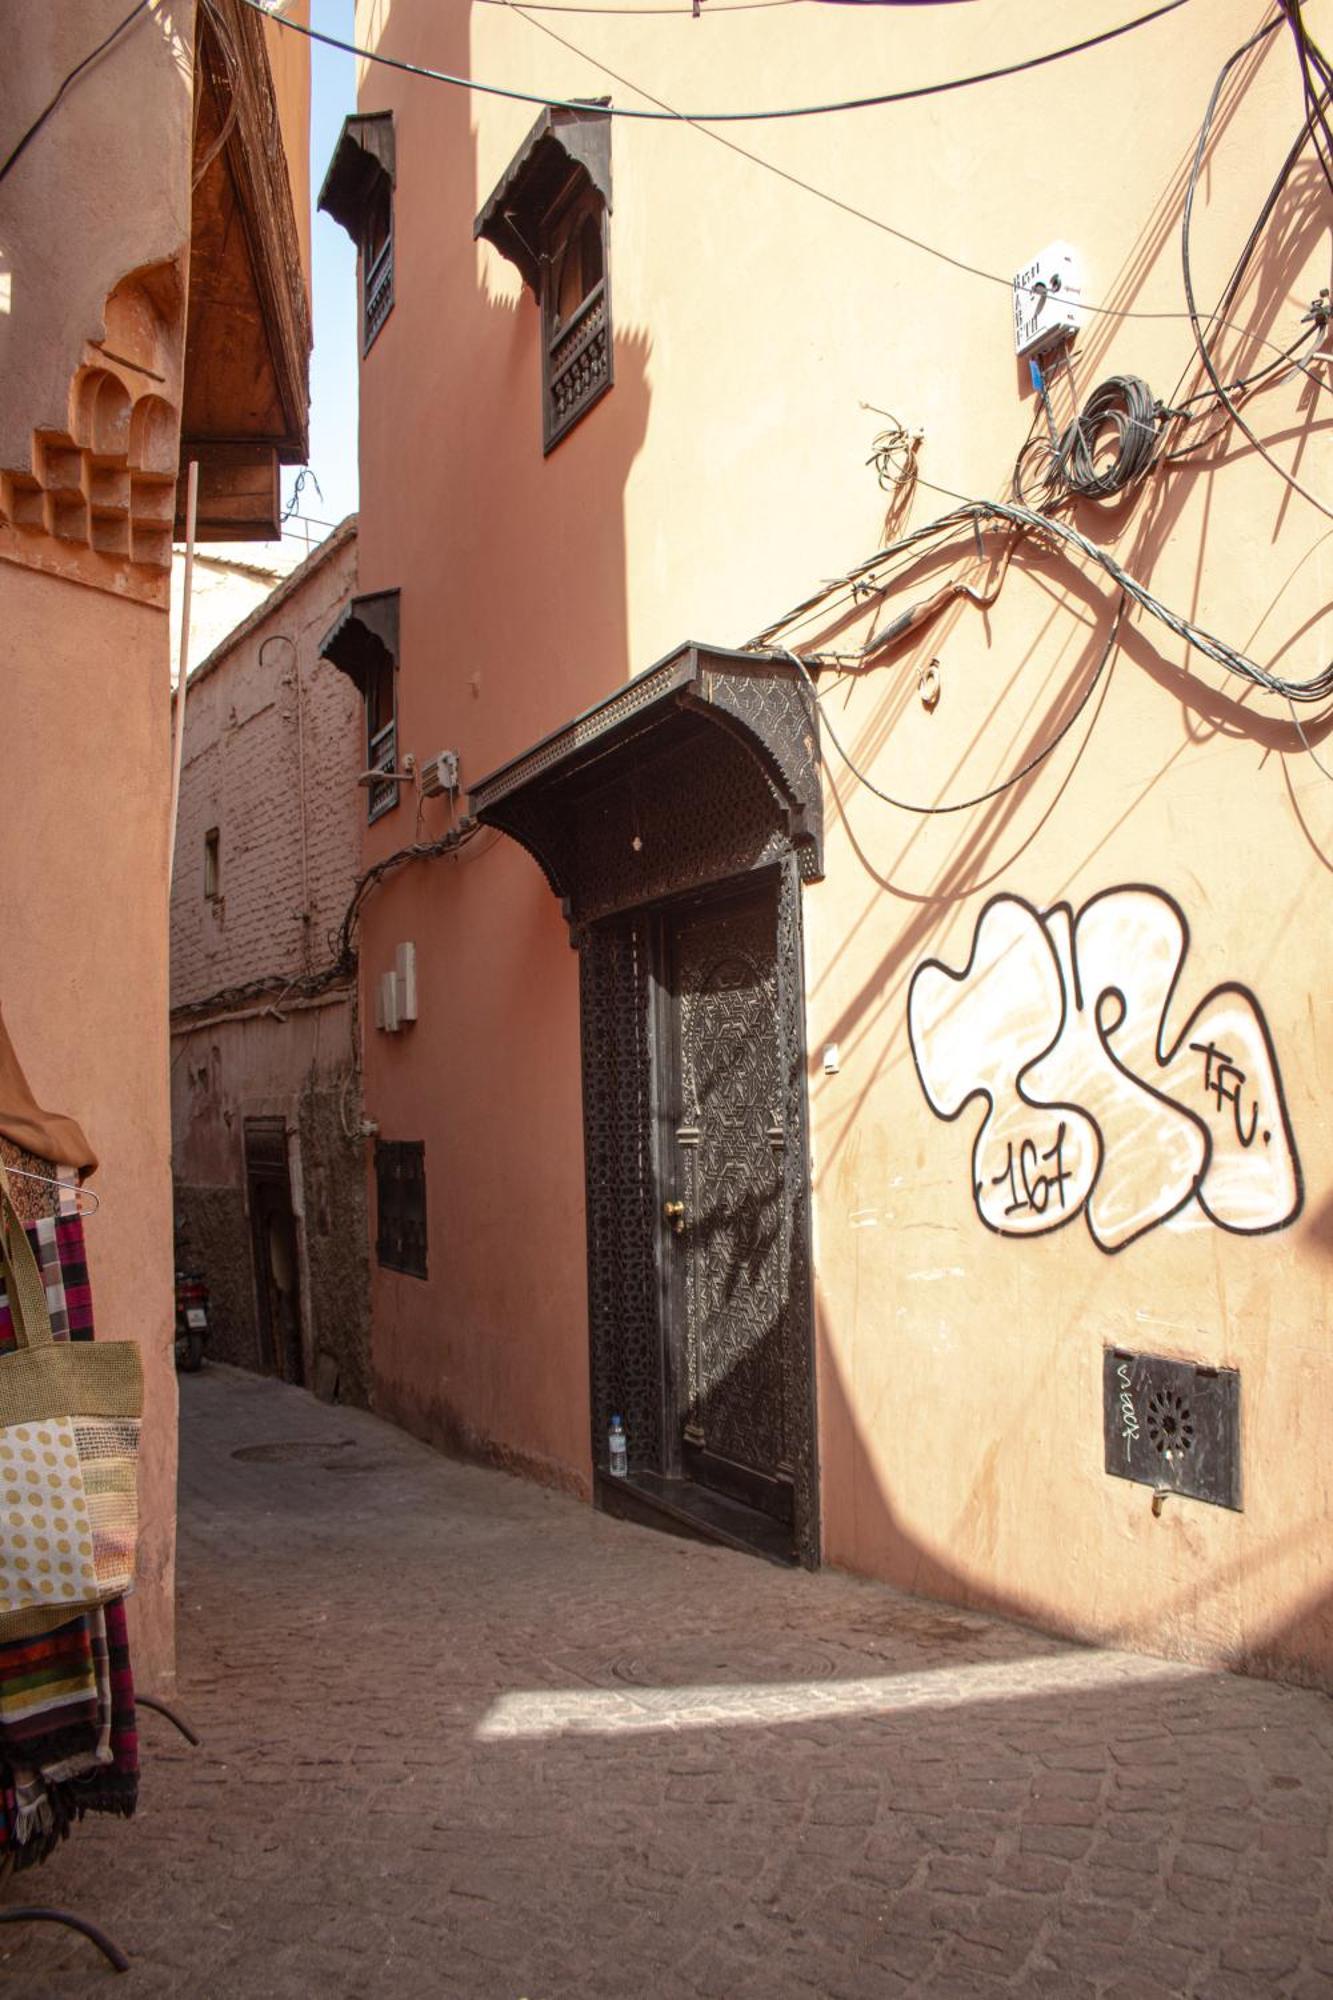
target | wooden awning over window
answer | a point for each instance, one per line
(364, 155)
(563, 142)
(708, 750)
(363, 637)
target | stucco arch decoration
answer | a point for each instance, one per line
(97, 497)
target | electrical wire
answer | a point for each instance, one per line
(457, 837)
(1222, 393)
(232, 64)
(1317, 688)
(1310, 57)
(728, 117)
(1005, 784)
(688, 9)
(1086, 307)
(140, 7)
(344, 963)
(864, 579)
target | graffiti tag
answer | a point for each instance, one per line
(1060, 1025)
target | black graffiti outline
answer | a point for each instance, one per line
(980, 1091)
(1103, 1031)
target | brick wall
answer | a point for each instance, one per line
(260, 706)
(261, 709)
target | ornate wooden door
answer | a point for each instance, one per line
(725, 1216)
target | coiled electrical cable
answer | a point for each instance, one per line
(1122, 409)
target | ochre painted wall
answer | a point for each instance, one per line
(760, 336)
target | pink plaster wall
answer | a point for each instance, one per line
(724, 477)
(121, 205)
(85, 952)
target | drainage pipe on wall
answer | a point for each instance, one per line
(178, 747)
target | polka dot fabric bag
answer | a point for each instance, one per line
(69, 1448)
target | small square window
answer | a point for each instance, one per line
(212, 864)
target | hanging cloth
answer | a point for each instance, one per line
(49, 1134)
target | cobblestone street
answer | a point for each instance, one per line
(463, 1737)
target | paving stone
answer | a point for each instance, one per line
(468, 1739)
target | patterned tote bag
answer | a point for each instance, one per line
(69, 1446)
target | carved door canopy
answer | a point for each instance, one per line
(703, 767)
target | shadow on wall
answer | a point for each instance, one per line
(513, 567)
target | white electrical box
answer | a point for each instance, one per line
(440, 774)
(405, 980)
(386, 1003)
(1046, 299)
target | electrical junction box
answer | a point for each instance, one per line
(1046, 296)
(396, 992)
(440, 775)
(405, 979)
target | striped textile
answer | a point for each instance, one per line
(68, 1740)
(58, 1245)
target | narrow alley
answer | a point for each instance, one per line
(465, 1737)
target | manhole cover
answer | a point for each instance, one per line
(288, 1451)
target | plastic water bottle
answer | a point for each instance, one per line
(619, 1449)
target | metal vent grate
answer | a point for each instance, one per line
(1172, 1425)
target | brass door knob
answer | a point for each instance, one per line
(674, 1211)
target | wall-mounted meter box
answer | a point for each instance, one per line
(1046, 296)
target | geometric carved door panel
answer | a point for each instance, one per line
(726, 1141)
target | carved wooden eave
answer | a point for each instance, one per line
(569, 794)
(247, 357)
(363, 637)
(563, 144)
(364, 155)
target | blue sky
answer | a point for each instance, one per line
(333, 365)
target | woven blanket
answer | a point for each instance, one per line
(68, 1741)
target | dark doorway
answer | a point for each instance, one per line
(274, 1249)
(723, 1165)
(679, 822)
(698, 1214)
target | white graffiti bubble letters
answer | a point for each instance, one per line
(1060, 1025)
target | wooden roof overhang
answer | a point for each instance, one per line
(246, 401)
(629, 777)
(366, 153)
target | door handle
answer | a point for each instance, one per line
(674, 1211)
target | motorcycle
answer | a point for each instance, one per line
(191, 1321)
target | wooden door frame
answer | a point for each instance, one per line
(630, 1237)
(698, 772)
(260, 1172)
